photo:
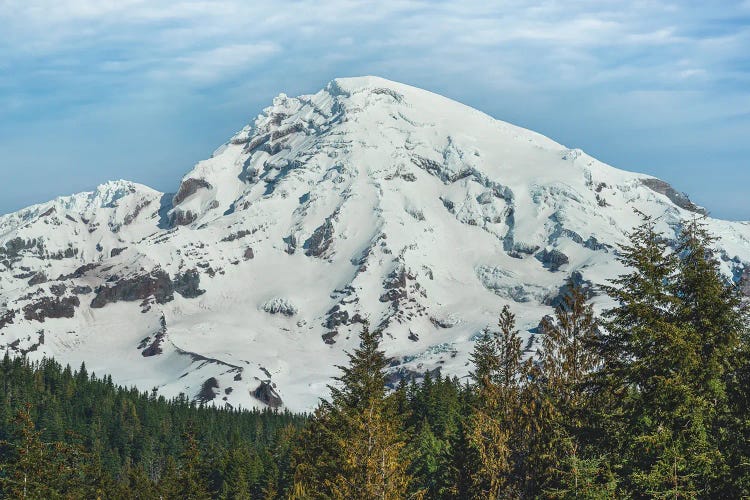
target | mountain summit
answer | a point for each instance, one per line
(367, 201)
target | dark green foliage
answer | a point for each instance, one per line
(97, 436)
(357, 446)
(651, 401)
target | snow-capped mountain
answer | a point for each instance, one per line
(369, 200)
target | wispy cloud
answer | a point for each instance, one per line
(566, 67)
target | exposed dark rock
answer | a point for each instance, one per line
(337, 317)
(248, 253)
(552, 259)
(138, 209)
(155, 347)
(188, 188)
(117, 251)
(591, 243)
(291, 244)
(395, 285)
(208, 390)
(68, 253)
(7, 318)
(78, 273)
(320, 241)
(402, 291)
(330, 337)
(393, 295)
(38, 279)
(188, 283)
(58, 290)
(438, 169)
(82, 290)
(413, 336)
(15, 247)
(182, 218)
(48, 212)
(238, 235)
(449, 205)
(680, 199)
(48, 307)
(156, 284)
(268, 395)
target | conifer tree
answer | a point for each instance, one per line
(567, 362)
(660, 416)
(493, 426)
(360, 433)
(25, 476)
(713, 307)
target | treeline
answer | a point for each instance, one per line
(652, 400)
(68, 434)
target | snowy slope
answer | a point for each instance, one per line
(370, 200)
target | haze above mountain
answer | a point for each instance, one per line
(367, 201)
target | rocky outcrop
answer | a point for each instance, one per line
(15, 248)
(189, 187)
(82, 290)
(267, 394)
(238, 235)
(552, 259)
(155, 284)
(153, 347)
(337, 316)
(38, 279)
(680, 199)
(48, 307)
(330, 337)
(69, 253)
(78, 273)
(188, 283)
(182, 217)
(320, 241)
(208, 390)
(7, 318)
(402, 290)
(117, 251)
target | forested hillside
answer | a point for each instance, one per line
(652, 400)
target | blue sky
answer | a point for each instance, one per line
(92, 90)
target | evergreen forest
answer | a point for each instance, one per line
(649, 399)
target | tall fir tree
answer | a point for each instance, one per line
(568, 360)
(660, 415)
(493, 429)
(713, 307)
(360, 433)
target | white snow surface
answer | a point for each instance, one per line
(367, 200)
